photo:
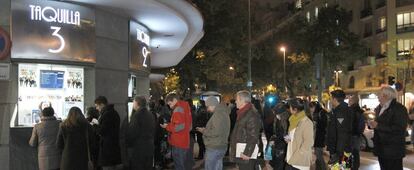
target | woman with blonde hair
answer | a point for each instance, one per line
(74, 138)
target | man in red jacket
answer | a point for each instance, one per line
(179, 129)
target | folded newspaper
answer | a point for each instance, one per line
(240, 149)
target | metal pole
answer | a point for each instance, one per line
(249, 61)
(284, 70)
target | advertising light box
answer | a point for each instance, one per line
(50, 30)
(139, 47)
(43, 85)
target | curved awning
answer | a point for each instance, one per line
(175, 25)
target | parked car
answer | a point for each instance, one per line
(366, 139)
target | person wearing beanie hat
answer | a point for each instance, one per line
(216, 134)
(339, 131)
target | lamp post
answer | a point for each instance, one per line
(337, 72)
(249, 60)
(283, 49)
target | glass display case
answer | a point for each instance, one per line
(43, 85)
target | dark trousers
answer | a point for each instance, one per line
(355, 152)
(390, 164)
(202, 147)
(251, 165)
(290, 167)
(142, 162)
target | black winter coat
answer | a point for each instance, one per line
(320, 120)
(389, 135)
(339, 136)
(140, 138)
(109, 148)
(358, 113)
(73, 142)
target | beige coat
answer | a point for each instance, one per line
(302, 144)
(44, 137)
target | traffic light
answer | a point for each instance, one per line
(391, 80)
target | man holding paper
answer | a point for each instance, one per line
(246, 133)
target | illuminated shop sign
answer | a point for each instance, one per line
(50, 30)
(139, 47)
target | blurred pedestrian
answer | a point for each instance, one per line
(339, 134)
(202, 118)
(320, 120)
(358, 126)
(280, 128)
(246, 132)
(389, 127)
(411, 121)
(299, 138)
(179, 129)
(109, 125)
(92, 115)
(216, 134)
(44, 138)
(75, 138)
(140, 136)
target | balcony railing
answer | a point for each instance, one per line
(405, 28)
(367, 34)
(380, 30)
(381, 4)
(366, 12)
(400, 3)
(403, 55)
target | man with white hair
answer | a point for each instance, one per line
(389, 130)
(246, 132)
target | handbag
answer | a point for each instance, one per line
(90, 163)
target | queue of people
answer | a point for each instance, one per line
(297, 135)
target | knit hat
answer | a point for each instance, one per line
(212, 101)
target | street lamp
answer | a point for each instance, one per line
(283, 49)
(231, 68)
(337, 72)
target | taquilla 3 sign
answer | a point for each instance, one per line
(50, 30)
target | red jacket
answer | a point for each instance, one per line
(180, 126)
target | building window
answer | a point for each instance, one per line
(351, 84)
(383, 48)
(405, 22)
(382, 25)
(316, 12)
(299, 4)
(308, 16)
(368, 82)
(404, 47)
(367, 29)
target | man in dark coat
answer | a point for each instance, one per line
(339, 132)
(140, 137)
(358, 126)
(389, 130)
(109, 124)
(246, 131)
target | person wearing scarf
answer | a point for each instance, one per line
(299, 138)
(246, 131)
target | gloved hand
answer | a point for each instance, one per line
(333, 159)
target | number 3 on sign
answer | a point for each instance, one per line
(61, 39)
